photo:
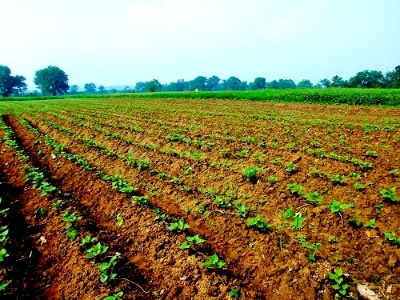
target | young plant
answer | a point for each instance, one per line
(337, 207)
(391, 236)
(222, 202)
(116, 296)
(251, 173)
(389, 194)
(191, 242)
(297, 221)
(370, 223)
(314, 197)
(272, 179)
(214, 262)
(313, 247)
(119, 219)
(57, 205)
(359, 186)
(259, 223)
(338, 283)
(234, 292)
(3, 254)
(295, 189)
(394, 172)
(3, 234)
(140, 199)
(87, 240)
(338, 179)
(72, 233)
(96, 250)
(290, 167)
(242, 209)
(107, 269)
(70, 218)
(178, 226)
(40, 212)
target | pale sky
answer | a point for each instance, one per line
(121, 42)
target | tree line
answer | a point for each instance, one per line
(54, 81)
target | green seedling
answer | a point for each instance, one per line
(315, 172)
(40, 212)
(221, 202)
(119, 220)
(72, 233)
(234, 292)
(3, 212)
(242, 209)
(394, 172)
(338, 179)
(295, 189)
(391, 236)
(259, 223)
(214, 262)
(355, 175)
(3, 234)
(96, 250)
(289, 213)
(57, 205)
(87, 240)
(242, 153)
(314, 197)
(3, 254)
(140, 199)
(359, 186)
(332, 240)
(187, 170)
(107, 269)
(389, 194)
(251, 173)
(3, 285)
(371, 153)
(338, 283)
(313, 247)
(298, 221)
(290, 167)
(191, 242)
(178, 226)
(273, 179)
(70, 218)
(379, 207)
(370, 223)
(337, 207)
(355, 222)
(116, 296)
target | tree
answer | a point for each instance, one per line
(140, 87)
(199, 83)
(51, 81)
(102, 89)
(259, 83)
(90, 87)
(10, 84)
(212, 83)
(325, 82)
(337, 82)
(73, 89)
(153, 86)
(233, 83)
(393, 78)
(305, 84)
(368, 79)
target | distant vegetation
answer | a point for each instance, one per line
(53, 81)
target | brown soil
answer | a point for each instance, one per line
(263, 265)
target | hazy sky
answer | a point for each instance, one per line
(121, 42)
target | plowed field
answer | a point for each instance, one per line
(198, 199)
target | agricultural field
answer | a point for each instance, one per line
(134, 198)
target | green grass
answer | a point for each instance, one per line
(389, 97)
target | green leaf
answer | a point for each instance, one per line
(103, 277)
(184, 245)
